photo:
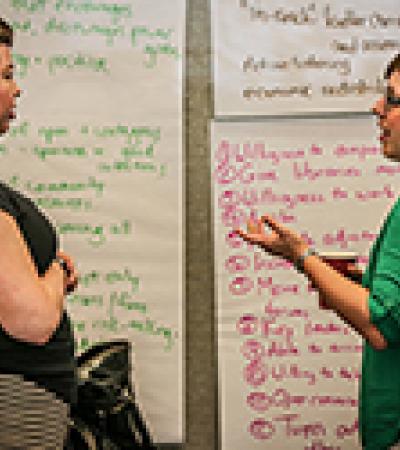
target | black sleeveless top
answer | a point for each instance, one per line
(52, 366)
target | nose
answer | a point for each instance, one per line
(17, 90)
(379, 107)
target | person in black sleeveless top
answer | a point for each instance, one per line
(36, 338)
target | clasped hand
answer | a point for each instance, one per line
(70, 275)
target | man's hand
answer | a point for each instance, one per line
(70, 275)
(281, 241)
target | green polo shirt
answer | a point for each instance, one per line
(379, 409)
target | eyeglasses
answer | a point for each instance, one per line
(392, 100)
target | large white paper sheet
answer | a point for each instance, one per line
(289, 372)
(294, 57)
(98, 145)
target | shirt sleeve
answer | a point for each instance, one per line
(384, 295)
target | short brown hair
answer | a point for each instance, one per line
(393, 66)
(6, 33)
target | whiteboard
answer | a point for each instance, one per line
(275, 57)
(289, 372)
(98, 145)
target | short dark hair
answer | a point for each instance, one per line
(393, 66)
(6, 33)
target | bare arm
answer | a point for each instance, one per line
(347, 298)
(51, 283)
(30, 306)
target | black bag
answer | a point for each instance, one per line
(106, 416)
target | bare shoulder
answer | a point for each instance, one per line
(6, 219)
(12, 243)
(8, 224)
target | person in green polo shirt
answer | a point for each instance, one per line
(371, 307)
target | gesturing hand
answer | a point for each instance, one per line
(280, 241)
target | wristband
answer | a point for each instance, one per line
(299, 263)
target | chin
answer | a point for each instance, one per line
(392, 153)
